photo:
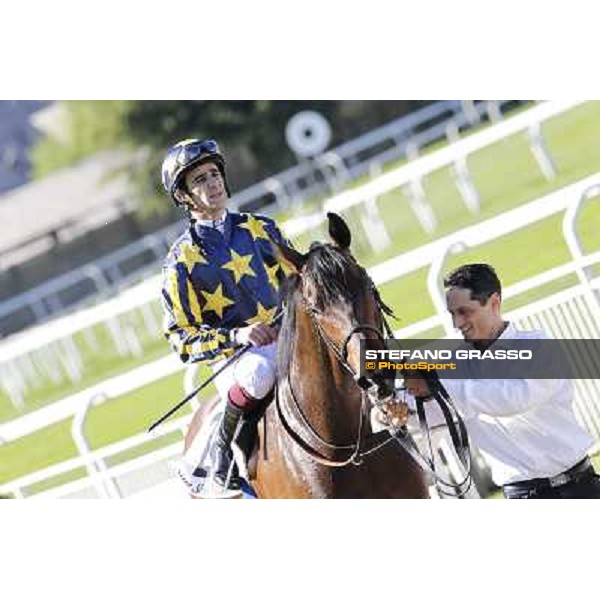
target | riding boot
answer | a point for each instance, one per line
(248, 433)
(221, 454)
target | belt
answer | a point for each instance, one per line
(581, 469)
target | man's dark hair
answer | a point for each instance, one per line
(480, 278)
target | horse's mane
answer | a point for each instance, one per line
(285, 339)
(336, 277)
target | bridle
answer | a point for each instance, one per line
(363, 382)
(357, 450)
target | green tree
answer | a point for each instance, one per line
(86, 128)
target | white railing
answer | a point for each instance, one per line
(351, 159)
(103, 276)
(105, 390)
(583, 296)
(105, 480)
(454, 154)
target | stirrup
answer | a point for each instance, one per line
(212, 489)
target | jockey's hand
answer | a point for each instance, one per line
(257, 334)
(417, 387)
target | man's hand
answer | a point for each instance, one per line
(417, 387)
(391, 413)
(258, 334)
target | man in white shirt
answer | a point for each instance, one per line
(525, 428)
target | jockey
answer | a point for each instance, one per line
(220, 291)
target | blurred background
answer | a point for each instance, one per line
(424, 185)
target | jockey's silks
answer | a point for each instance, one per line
(214, 282)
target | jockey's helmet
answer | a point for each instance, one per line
(186, 154)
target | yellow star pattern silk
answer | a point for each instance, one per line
(272, 276)
(190, 256)
(239, 265)
(287, 267)
(256, 228)
(263, 315)
(216, 301)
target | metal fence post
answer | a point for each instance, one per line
(436, 288)
(540, 151)
(96, 467)
(574, 243)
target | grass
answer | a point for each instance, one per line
(106, 423)
(506, 175)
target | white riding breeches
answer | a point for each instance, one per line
(255, 371)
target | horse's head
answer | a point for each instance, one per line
(342, 301)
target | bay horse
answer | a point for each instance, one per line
(316, 440)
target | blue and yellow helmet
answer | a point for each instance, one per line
(186, 154)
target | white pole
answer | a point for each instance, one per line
(96, 467)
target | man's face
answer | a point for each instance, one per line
(206, 190)
(474, 320)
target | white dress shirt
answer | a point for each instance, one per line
(214, 223)
(524, 428)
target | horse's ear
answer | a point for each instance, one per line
(291, 256)
(338, 231)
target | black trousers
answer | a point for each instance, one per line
(587, 485)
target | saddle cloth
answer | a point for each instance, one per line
(194, 468)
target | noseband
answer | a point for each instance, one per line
(342, 355)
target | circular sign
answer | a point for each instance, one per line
(308, 133)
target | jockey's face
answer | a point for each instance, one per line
(206, 195)
(475, 321)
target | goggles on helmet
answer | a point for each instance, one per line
(189, 153)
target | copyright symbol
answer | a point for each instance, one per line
(370, 365)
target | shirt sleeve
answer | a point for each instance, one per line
(277, 237)
(509, 397)
(183, 325)
(504, 397)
